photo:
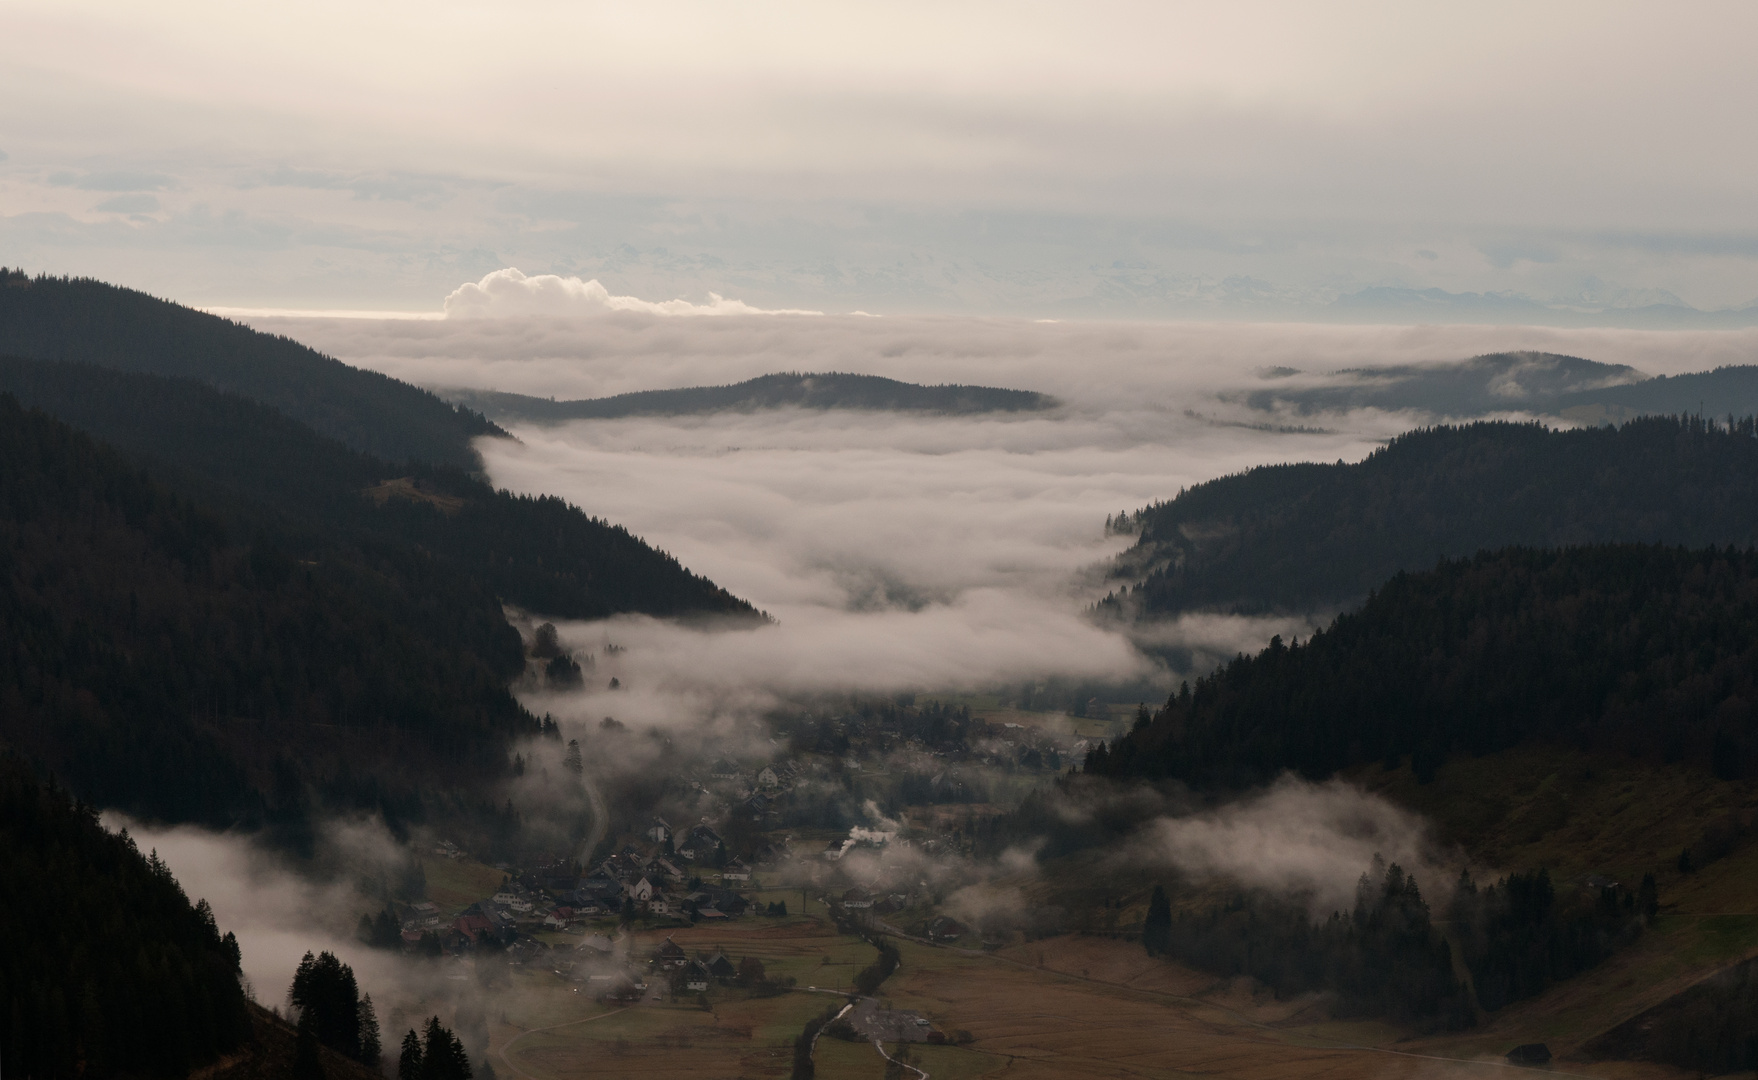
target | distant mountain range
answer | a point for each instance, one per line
(1540, 383)
(1439, 306)
(829, 390)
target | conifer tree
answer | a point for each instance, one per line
(1156, 930)
(370, 1052)
(409, 1061)
(305, 1061)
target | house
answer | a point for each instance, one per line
(766, 777)
(665, 867)
(619, 988)
(559, 918)
(721, 966)
(724, 770)
(597, 943)
(670, 955)
(736, 871)
(945, 928)
(661, 904)
(857, 898)
(703, 840)
(696, 977)
(658, 832)
(641, 891)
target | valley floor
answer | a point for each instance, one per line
(1070, 1006)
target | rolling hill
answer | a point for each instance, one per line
(538, 553)
(90, 322)
(1315, 538)
(831, 390)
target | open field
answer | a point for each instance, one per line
(1097, 1006)
(1063, 1007)
(457, 883)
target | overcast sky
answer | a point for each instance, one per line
(1135, 159)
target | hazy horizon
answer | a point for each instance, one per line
(1572, 164)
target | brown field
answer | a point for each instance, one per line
(1063, 1007)
(456, 884)
(1095, 1006)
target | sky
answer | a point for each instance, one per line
(1577, 161)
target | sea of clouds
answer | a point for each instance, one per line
(895, 551)
(903, 551)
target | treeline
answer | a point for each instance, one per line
(232, 669)
(90, 322)
(1517, 936)
(1385, 957)
(109, 970)
(1311, 537)
(540, 553)
(1652, 651)
(1382, 958)
(332, 1011)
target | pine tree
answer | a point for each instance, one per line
(1156, 929)
(328, 1000)
(370, 1052)
(409, 1061)
(305, 1061)
(443, 1057)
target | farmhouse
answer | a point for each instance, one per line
(945, 928)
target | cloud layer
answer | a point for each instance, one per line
(508, 293)
(909, 552)
(1130, 156)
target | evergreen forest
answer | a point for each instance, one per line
(91, 322)
(1646, 650)
(1316, 538)
(114, 972)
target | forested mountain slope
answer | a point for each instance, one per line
(539, 553)
(1312, 537)
(1646, 650)
(233, 667)
(88, 321)
(827, 390)
(110, 971)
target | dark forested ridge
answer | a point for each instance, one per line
(79, 319)
(539, 553)
(1311, 537)
(1647, 650)
(110, 971)
(231, 668)
(825, 390)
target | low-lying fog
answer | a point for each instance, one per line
(915, 552)
(896, 552)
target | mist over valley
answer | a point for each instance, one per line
(964, 542)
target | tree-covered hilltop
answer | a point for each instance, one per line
(80, 319)
(1312, 537)
(109, 971)
(1648, 650)
(823, 390)
(538, 553)
(228, 667)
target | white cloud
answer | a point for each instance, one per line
(1298, 837)
(509, 293)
